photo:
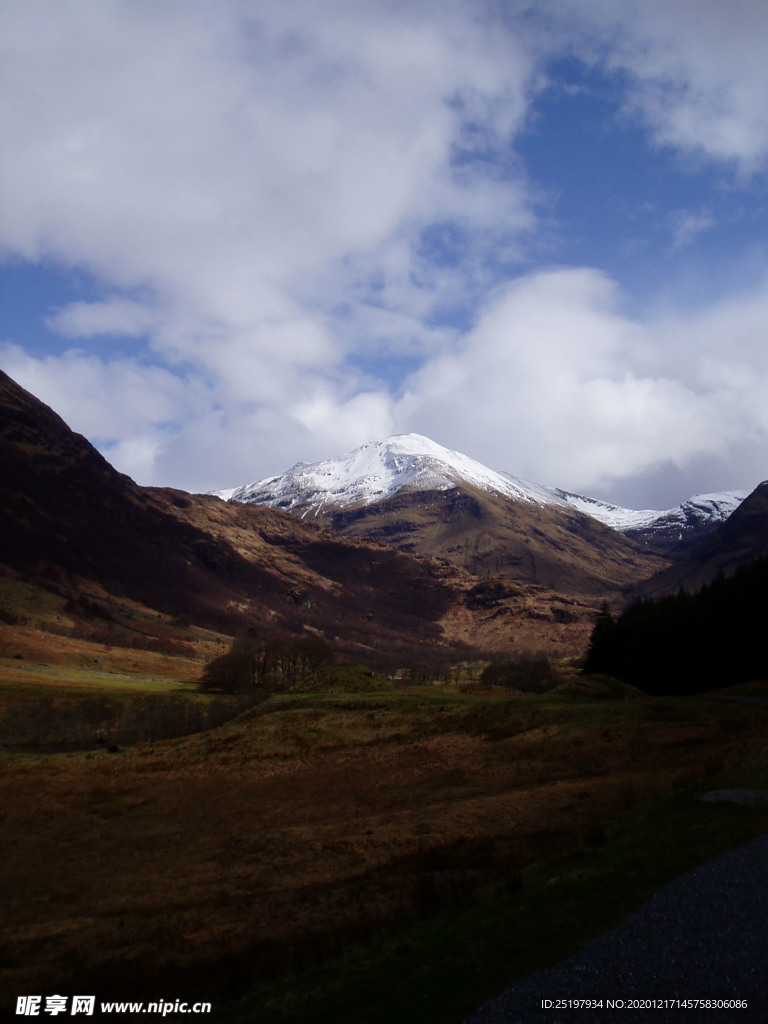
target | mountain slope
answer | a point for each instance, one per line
(488, 535)
(71, 521)
(84, 534)
(421, 497)
(671, 531)
(742, 537)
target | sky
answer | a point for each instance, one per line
(235, 235)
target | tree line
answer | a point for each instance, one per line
(527, 671)
(265, 661)
(688, 642)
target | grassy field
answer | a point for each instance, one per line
(62, 692)
(346, 849)
(441, 968)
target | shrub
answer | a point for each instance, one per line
(229, 673)
(529, 672)
(265, 661)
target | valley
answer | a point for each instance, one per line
(383, 530)
(246, 847)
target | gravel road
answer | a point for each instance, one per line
(704, 936)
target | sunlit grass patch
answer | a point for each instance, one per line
(35, 678)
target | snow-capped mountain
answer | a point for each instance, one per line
(378, 470)
(411, 462)
(423, 498)
(667, 528)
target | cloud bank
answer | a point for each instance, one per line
(308, 225)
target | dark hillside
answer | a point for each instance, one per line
(68, 517)
(66, 510)
(689, 643)
(742, 537)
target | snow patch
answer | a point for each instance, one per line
(703, 508)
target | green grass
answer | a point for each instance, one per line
(438, 970)
(35, 678)
(47, 707)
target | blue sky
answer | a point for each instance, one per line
(239, 235)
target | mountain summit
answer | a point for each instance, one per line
(418, 496)
(377, 471)
(412, 463)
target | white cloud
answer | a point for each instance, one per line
(557, 384)
(687, 226)
(106, 400)
(219, 161)
(231, 174)
(114, 317)
(698, 74)
(346, 424)
(135, 455)
(276, 198)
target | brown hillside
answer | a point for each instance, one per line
(74, 525)
(490, 535)
(68, 516)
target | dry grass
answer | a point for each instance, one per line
(310, 822)
(63, 693)
(22, 645)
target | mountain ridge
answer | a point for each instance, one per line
(418, 496)
(377, 470)
(670, 531)
(89, 539)
(373, 491)
(742, 537)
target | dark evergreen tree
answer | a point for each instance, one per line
(599, 651)
(688, 643)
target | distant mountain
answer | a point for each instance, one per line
(420, 497)
(742, 537)
(77, 531)
(377, 471)
(670, 532)
(411, 463)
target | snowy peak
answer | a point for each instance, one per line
(411, 462)
(703, 510)
(376, 471)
